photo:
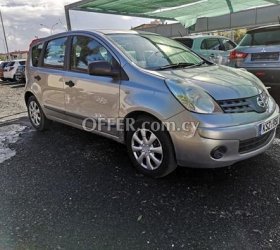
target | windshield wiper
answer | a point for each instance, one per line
(180, 65)
(176, 65)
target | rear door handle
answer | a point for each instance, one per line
(70, 84)
(38, 78)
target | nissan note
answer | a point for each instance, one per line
(167, 104)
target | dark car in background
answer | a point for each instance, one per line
(259, 53)
(2, 66)
(20, 74)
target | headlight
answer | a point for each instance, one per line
(194, 99)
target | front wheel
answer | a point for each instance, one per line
(151, 151)
(36, 115)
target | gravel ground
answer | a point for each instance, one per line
(67, 189)
(11, 101)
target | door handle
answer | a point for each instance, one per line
(38, 78)
(70, 84)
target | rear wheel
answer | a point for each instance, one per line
(36, 115)
(151, 151)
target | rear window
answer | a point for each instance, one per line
(269, 37)
(55, 53)
(21, 62)
(186, 41)
(36, 52)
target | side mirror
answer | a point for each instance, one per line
(102, 68)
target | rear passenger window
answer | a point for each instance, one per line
(186, 41)
(211, 44)
(55, 53)
(36, 52)
(86, 50)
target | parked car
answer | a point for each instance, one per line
(20, 74)
(259, 53)
(11, 69)
(213, 48)
(2, 67)
(169, 106)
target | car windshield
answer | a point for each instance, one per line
(259, 38)
(10, 64)
(155, 52)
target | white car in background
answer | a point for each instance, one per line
(214, 48)
(11, 69)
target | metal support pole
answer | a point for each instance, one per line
(5, 38)
(67, 16)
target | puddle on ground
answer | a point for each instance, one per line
(8, 135)
(276, 141)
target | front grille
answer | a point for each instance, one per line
(236, 106)
(255, 143)
(257, 104)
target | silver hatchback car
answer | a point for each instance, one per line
(167, 104)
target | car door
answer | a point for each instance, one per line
(90, 97)
(49, 77)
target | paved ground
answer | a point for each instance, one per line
(67, 189)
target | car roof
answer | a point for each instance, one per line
(264, 28)
(83, 31)
(200, 36)
(110, 31)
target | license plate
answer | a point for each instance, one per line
(269, 56)
(268, 125)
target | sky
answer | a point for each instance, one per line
(25, 20)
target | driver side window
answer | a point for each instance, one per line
(86, 50)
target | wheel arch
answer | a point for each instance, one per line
(27, 95)
(136, 114)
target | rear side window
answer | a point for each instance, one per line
(211, 44)
(269, 37)
(55, 53)
(36, 52)
(186, 41)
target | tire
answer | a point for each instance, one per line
(153, 156)
(36, 115)
(15, 79)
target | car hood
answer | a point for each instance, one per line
(220, 82)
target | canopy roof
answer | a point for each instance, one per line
(184, 11)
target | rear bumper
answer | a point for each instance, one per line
(196, 151)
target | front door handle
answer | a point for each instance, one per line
(38, 78)
(70, 84)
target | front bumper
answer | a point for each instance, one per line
(195, 151)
